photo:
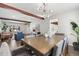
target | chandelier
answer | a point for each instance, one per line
(44, 10)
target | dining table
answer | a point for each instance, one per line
(41, 45)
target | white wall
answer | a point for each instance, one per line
(65, 26)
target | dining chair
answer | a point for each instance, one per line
(5, 50)
(19, 36)
(57, 50)
(13, 44)
(65, 45)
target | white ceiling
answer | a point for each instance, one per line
(56, 7)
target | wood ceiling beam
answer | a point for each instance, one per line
(3, 18)
(55, 23)
(2, 5)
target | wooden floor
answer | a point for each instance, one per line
(72, 52)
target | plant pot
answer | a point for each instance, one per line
(76, 46)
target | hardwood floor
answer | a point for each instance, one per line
(72, 52)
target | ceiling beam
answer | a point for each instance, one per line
(3, 18)
(2, 5)
(55, 23)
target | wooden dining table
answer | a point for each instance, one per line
(42, 45)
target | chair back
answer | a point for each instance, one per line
(65, 44)
(58, 49)
(5, 50)
(13, 44)
(19, 36)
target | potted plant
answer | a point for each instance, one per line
(76, 29)
(5, 26)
